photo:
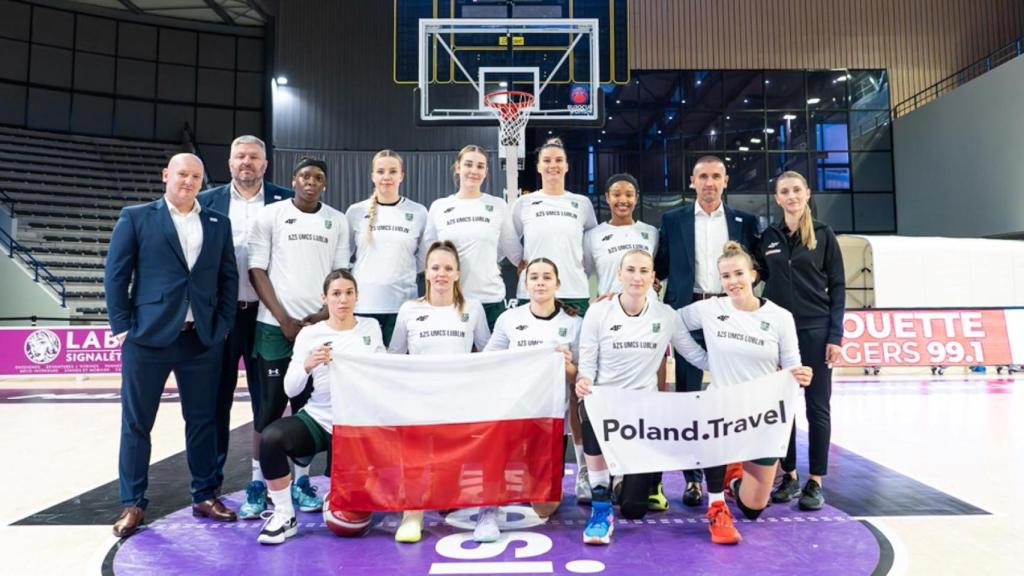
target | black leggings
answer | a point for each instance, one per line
(285, 438)
(272, 396)
(817, 397)
(635, 487)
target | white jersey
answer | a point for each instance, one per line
(482, 231)
(743, 345)
(625, 351)
(552, 226)
(605, 245)
(519, 328)
(422, 328)
(298, 250)
(386, 266)
(363, 338)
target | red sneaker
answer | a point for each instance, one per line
(720, 524)
(733, 471)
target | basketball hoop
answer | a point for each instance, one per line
(512, 108)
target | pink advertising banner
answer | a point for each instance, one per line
(58, 351)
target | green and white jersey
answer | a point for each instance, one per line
(552, 226)
(298, 250)
(604, 246)
(422, 328)
(387, 263)
(482, 231)
(518, 328)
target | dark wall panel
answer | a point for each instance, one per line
(136, 78)
(214, 126)
(250, 54)
(91, 114)
(14, 64)
(94, 72)
(177, 83)
(249, 90)
(48, 109)
(136, 41)
(340, 94)
(51, 66)
(170, 118)
(53, 27)
(13, 110)
(248, 122)
(133, 119)
(96, 35)
(178, 47)
(216, 51)
(15, 23)
(216, 87)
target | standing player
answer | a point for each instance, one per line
(242, 199)
(543, 322)
(308, 431)
(622, 344)
(551, 222)
(443, 321)
(481, 229)
(803, 272)
(387, 231)
(292, 247)
(746, 337)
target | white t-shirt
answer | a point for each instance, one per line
(386, 267)
(298, 250)
(363, 338)
(421, 328)
(553, 226)
(625, 351)
(605, 245)
(742, 345)
(482, 231)
(519, 328)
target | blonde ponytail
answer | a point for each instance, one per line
(733, 249)
(806, 226)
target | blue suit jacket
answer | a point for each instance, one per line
(149, 286)
(219, 198)
(675, 258)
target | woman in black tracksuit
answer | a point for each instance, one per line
(803, 271)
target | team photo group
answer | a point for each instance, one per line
(200, 281)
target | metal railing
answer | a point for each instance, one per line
(188, 144)
(7, 202)
(959, 78)
(39, 272)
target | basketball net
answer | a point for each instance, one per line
(512, 108)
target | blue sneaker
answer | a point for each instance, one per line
(255, 501)
(602, 519)
(304, 496)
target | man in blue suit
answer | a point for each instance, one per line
(690, 241)
(241, 200)
(171, 285)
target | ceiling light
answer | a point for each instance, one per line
(743, 149)
(282, 81)
(755, 140)
(813, 101)
(789, 116)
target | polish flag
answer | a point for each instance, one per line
(447, 431)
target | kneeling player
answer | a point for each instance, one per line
(308, 431)
(622, 344)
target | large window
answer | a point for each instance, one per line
(832, 126)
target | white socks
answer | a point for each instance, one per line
(283, 501)
(257, 471)
(580, 460)
(600, 478)
(715, 497)
(300, 471)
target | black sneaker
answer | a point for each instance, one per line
(811, 497)
(788, 489)
(693, 496)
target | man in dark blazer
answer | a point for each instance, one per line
(241, 200)
(690, 241)
(171, 286)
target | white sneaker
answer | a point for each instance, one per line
(411, 528)
(583, 495)
(487, 525)
(277, 529)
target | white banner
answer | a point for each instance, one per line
(651, 432)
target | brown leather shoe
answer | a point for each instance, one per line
(213, 509)
(128, 522)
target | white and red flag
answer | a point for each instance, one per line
(447, 431)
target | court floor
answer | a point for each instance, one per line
(925, 479)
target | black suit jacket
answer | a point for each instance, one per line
(219, 198)
(675, 258)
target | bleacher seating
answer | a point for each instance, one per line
(68, 191)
